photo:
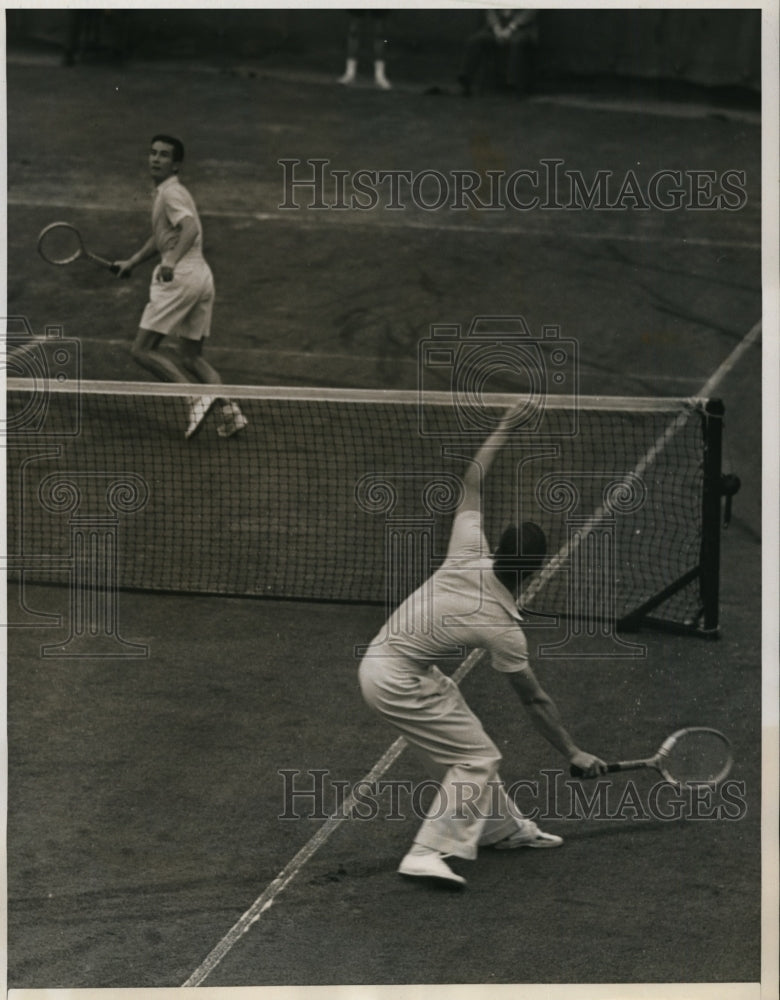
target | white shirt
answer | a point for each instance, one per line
(461, 606)
(173, 203)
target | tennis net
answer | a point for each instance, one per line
(348, 495)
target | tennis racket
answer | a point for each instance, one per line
(692, 756)
(60, 243)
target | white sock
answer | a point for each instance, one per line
(231, 409)
(349, 72)
(379, 75)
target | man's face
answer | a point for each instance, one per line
(161, 161)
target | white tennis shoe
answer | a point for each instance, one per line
(199, 407)
(429, 864)
(233, 420)
(528, 838)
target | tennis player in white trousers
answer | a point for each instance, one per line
(468, 603)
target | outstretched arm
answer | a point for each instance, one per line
(545, 717)
(188, 232)
(481, 462)
(125, 267)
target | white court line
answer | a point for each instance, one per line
(283, 879)
(664, 109)
(272, 353)
(320, 218)
(521, 230)
(731, 361)
(657, 108)
(706, 391)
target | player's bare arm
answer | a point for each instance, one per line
(188, 233)
(544, 714)
(482, 461)
(124, 268)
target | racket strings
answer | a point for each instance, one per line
(702, 757)
(60, 244)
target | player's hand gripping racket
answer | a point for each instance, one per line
(60, 243)
(693, 756)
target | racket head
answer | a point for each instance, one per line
(60, 243)
(696, 755)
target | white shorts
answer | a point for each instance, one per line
(182, 306)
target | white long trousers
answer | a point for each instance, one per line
(471, 807)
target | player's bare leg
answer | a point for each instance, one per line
(380, 79)
(233, 420)
(353, 47)
(191, 353)
(146, 354)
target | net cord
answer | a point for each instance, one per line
(626, 404)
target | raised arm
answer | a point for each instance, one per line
(545, 716)
(482, 461)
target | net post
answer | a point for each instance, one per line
(709, 559)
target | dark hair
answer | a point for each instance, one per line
(520, 552)
(178, 145)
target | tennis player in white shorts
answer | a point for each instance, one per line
(469, 603)
(181, 294)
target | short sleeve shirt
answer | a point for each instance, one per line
(172, 204)
(462, 606)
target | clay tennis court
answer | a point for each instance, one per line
(145, 793)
